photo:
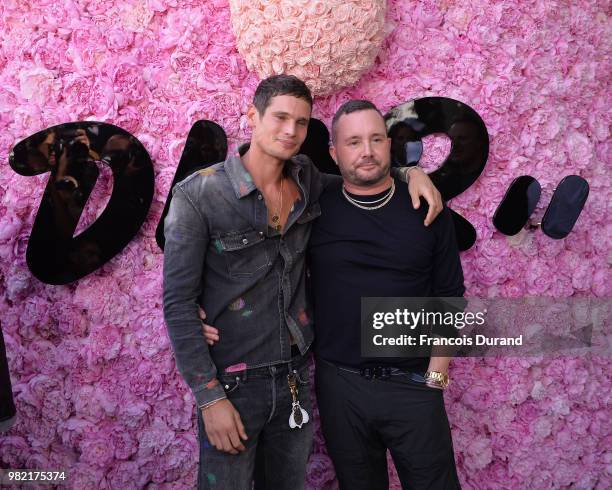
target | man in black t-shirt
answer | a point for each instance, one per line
(370, 241)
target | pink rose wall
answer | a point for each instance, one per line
(93, 374)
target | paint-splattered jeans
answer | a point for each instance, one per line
(263, 400)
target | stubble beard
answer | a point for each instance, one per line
(383, 172)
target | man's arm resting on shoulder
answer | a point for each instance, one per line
(419, 185)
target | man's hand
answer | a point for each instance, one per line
(211, 334)
(420, 184)
(224, 427)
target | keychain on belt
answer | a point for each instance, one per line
(298, 416)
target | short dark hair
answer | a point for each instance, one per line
(280, 85)
(350, 106)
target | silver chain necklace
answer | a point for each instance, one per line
(360, 204)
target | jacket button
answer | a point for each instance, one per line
(261, 233)
(259, 196)
(245, 241)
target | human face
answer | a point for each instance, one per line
(281, 129)
(361, 148)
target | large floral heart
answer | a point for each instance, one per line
(326, 43)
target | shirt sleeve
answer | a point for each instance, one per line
(187, 238)
(447, 271)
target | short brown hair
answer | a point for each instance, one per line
(279, 85)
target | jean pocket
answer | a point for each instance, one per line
(245, 253)
(302, 374)
(230, 383)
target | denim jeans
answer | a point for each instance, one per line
(263, 400)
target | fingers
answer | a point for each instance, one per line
(414, 195)
(434, 199)
(227, 441)
(236, 442)
(224, 427)
(221, 441)
(226, 444)
(431, 214)
(240, 426)
(211, 334)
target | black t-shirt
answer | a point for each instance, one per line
(383, 253)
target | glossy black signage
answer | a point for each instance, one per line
(518, 204)
(72, 153)
(408, 123)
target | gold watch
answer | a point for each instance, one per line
(440, 379)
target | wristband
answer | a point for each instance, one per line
(211, 403)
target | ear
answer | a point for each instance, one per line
(332, 152)
(252, 115)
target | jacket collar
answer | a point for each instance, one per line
(241, 179)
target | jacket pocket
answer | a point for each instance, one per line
(245, 253)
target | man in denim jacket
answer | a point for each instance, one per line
(235, 235)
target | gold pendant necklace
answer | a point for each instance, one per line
(276, 216)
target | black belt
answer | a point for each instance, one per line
(297, 360)
(378, 372)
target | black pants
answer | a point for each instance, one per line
(362, 418)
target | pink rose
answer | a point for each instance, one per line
(51, 52)
(176, 411)
(42, 354)
(459, 17)
(97, 450)
(318, 8)
(155, 438)
(217, 70)
(136, 17)
(131, 415)
(124, 443)
(104, 342)
(39, 85)
(126, 475)
(84, 475)
(309, 37)
(55, 406)
(128, 80)
(146, 381)
(342, 12)
(537, 277)
(118, 39)
(97, 403)
(179, 451)
(14, 450)
(478, 454)
(325, 25)
(579, 148)
(602, 283)
(270, 12)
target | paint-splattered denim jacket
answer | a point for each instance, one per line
(250, 280)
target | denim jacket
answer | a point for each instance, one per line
(220, 254)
